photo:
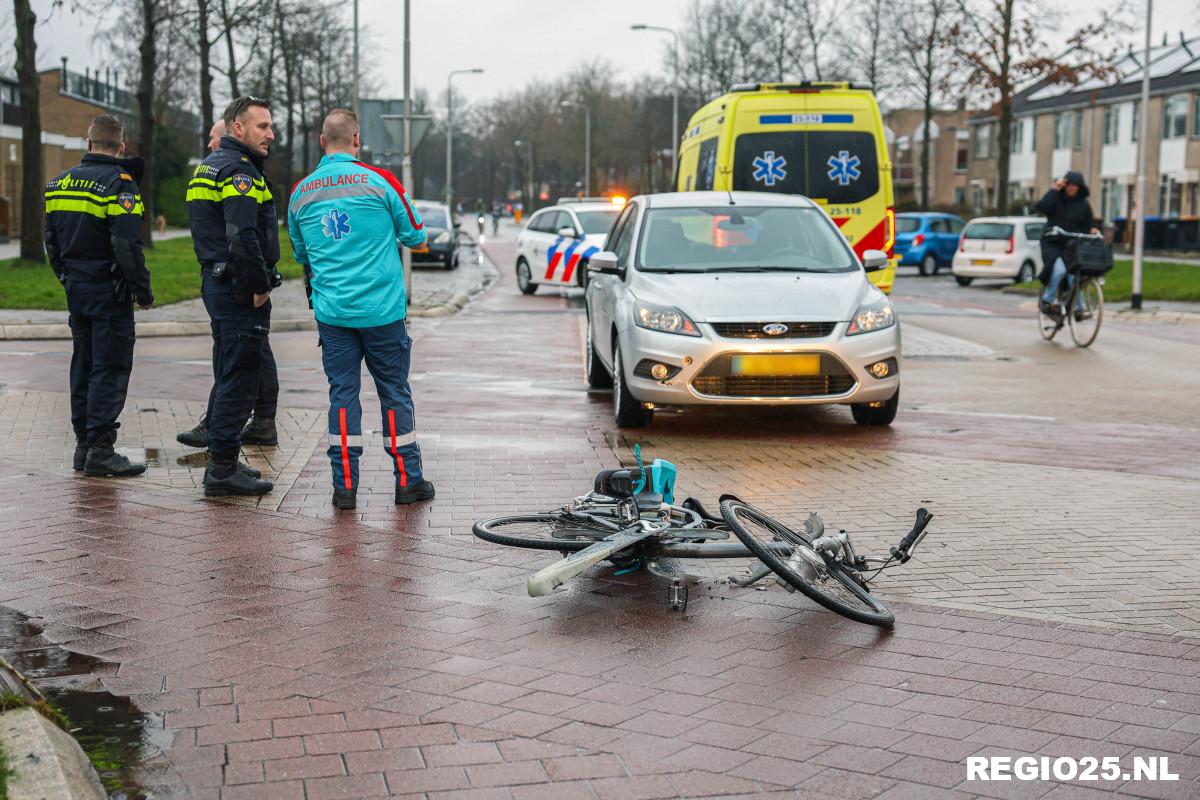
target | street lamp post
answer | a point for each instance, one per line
(674, 89)
(1139, 229)
(529, 172)
(587, 144)
(450, 134)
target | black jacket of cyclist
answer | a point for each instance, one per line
(1065, 206)
(93, 236)
(236, 237)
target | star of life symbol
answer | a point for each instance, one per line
(843, 168)
(336, 224)
(769, 168)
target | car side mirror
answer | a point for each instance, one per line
(605, 262)
(874, 260)
(568, 232)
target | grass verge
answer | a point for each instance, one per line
(1160, 281)
(5, 772)
(174, 276)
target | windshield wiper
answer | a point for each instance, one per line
(766, 269)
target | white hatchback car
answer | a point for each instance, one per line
(555, 245)
(743, 298)
(999, 247)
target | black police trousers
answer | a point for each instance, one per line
(101, 357)
(240, 331)
(267, 400)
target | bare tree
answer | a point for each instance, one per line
(998, 46)
(925, 63)
(204, 51)
(33, 201)
(867, 43)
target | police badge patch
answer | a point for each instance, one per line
(126, 201)
(241, 183)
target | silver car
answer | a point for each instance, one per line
(739, 298)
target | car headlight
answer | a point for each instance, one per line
(442, 237)
(874, 315)
(666, 319)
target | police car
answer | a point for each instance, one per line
(555, 245)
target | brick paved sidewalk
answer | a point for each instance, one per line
(299, 653)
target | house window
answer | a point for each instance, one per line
(1062, 130)
(1110, 199)
(1017, 130)
(962, 156)
(1112, 124)
(983, 141)
(1077, 130)
(1169, 197)
(960, 195)
(1133, 131)
(1195, 123)
(1175, 116)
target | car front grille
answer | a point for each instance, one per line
(717, 380)
(754, 330)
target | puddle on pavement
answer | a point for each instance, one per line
(116, 735)
(152, 456)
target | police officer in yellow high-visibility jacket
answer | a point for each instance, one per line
(93, 239)
(235, 232)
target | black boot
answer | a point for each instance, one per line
(260, 430)
(414, 493)
(249, 470)
(79, 460)
(197, 436)
(223, 478)
(344, 498)
(104, 462)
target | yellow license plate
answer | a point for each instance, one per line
(981, 262)
(802, 364)
(424, 248)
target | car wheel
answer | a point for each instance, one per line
(597, 375)
(928, 265)
(627, 409)
(524, 278)
(876, 414)
(1026, 273)
(963, 280)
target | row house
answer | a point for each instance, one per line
(949, 140)
(1093, 129)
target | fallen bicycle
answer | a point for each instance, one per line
(630, 519)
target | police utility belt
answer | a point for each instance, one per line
(114, 276)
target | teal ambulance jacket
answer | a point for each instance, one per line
(345, 220)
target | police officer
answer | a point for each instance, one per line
(94, 241)
(261, 428)
(235, 233)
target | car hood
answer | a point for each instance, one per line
(757, 297)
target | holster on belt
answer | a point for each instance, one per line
(120, 285)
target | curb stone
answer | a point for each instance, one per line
(47, 762)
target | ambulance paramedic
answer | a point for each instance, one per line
(345, 219)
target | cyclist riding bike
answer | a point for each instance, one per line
(1066, 206)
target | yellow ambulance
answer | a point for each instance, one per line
(821, 140)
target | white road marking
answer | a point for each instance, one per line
(980, 414)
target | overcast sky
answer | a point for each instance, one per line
(513, 40)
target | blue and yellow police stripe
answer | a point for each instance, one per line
(216, 191)
(89, 203)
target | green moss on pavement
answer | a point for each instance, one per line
(174, 276)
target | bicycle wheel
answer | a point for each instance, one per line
(831, 585)
(560, 532)
(1048, 326)
(1088, 313)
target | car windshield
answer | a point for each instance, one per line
(598, 221)
(988, 230)
(907, 224)
(432, 217)
(741, 238)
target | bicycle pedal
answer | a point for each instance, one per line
(677, 596)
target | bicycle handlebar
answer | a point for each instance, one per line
(901, 552)
(1057, 231)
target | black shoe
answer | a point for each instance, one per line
(104, 462)
(197, 436)
(344, 498)
(260, 430)
(414, 494)
(249, 470)
(79, 460)
(225, 478)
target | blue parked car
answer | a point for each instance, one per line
(927, 240)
